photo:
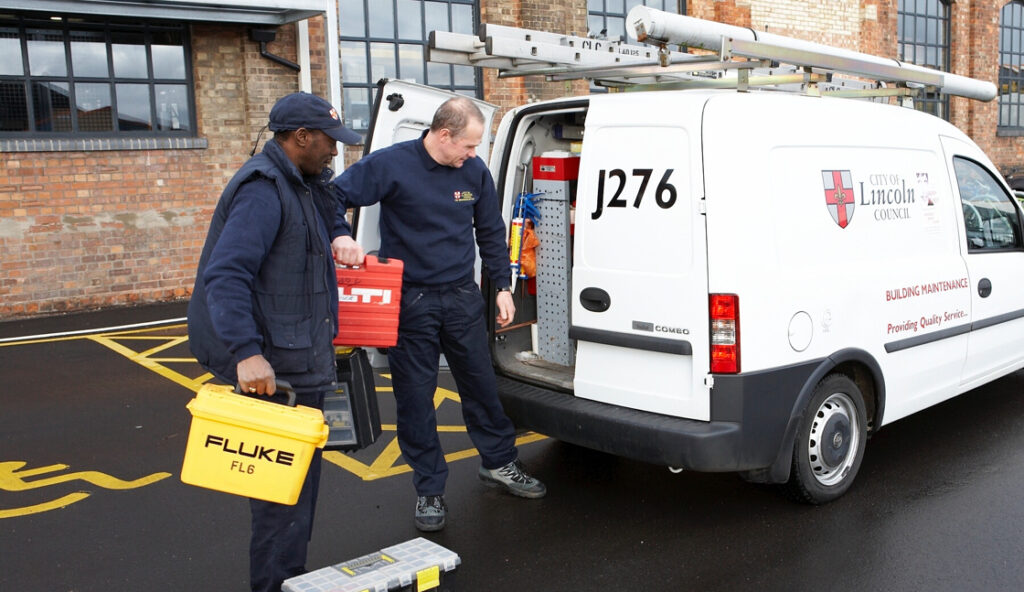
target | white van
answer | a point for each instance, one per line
(746, 281)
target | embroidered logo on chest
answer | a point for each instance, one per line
(461, 196)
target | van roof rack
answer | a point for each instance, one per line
(742, 59)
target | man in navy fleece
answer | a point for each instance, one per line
(435, 193)
(265, 303)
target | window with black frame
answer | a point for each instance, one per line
(388, 39)
(1011, 78)
(607, 18)
(77, 77)
(923, 28)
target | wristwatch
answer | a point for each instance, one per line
(505, 289)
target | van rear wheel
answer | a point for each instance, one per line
(830, 442)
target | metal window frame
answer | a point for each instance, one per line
(366, 40)
(107, 27)
(604, 14)
(935, 103)
(1014, 122)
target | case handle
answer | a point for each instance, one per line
(282, 385)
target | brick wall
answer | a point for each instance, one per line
(870, 26)
(978, 22)
(556, 17)
(82, 230)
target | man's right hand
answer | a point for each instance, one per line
(255, 376)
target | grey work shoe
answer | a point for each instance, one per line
(513, 479)
(430, 513)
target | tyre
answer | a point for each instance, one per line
(830, 441)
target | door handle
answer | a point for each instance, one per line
(595, 299)
(984, 287)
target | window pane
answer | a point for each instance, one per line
(462, 18)
(616, 28)
(357, 108)
(439, 74)
(410, 23)
(133, 111)
(410, 62)
(615, 6)
(168, 55)
(595, 5)
(436, 14)
(92, 101)
(353, 62)
(10, 48)
(990, 219)
(89, 54)
(351, 21)
(464, 75)
(129, 55)
(382, 61)
(172, 107)
(13, 107)
(52, 106)
(46, 53)
(382, 19)
(393, 46)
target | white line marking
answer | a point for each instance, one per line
(100, 330)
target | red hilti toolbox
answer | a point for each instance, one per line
(368, 301)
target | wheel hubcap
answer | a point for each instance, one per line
(833, 440)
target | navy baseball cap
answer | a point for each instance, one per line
(302, 109)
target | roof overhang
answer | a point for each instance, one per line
(265, 12)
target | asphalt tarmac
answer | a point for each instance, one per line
(92, 435)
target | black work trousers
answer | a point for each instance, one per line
(446, 319)
(281, 533)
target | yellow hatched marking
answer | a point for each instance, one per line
(384, 465)
(113, 342)
(387, 463)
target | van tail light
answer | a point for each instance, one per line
(725, 333)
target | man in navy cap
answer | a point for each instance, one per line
(265, 302)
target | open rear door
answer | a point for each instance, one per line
(401, 111)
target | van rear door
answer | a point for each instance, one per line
(639, 279)
(401, 111)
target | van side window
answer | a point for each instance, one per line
(990, 218)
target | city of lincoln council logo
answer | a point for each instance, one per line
(461, 196)
(839, 196)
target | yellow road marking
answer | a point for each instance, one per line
(382, 466)
(12, 478)
(61, 502)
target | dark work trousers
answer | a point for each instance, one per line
(446, 319)
(281, 533)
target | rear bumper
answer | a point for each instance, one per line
(751, 416)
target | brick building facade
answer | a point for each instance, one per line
(94, 223)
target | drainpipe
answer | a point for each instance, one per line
(264, 36)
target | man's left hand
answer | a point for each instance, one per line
(347, 251)
(506, 308)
